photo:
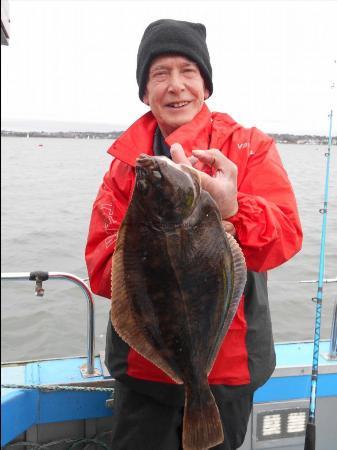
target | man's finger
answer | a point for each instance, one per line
(178, 155)
(213, 158)
(193, 160)
(229, 227)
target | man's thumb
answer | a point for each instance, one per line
(178, 154)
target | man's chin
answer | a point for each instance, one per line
(181, 120)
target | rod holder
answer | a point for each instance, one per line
(39, 290)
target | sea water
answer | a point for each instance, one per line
(48, 188)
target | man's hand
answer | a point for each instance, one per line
(223, 186)
(229, 228)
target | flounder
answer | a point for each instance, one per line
(177, 279)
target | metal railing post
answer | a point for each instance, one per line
(89, 369)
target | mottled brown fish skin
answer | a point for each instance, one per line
(172, 286)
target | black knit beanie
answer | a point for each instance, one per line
(167, 36)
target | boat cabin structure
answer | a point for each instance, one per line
(4, 22)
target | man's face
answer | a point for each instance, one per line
(175, 91)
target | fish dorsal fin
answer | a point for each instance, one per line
(239, 266)
(238, 281)
(239, 277)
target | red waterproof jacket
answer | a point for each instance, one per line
(267, 226)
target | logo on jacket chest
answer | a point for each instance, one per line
(243, 145)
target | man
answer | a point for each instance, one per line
(242, 171)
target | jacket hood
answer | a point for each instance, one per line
(206, 130)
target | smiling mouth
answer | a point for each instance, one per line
(177, 105)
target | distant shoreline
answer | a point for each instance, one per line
(63, 134)
(283, 138)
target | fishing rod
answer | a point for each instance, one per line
(310, 434)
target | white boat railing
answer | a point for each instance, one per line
(89, 370)
(39, 277)
(332, 355)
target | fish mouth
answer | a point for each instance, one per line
(144, 164)
(147, 173)
(147, 167)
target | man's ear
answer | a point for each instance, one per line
(146, 98)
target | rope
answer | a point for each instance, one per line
(74, 443)
(50, 388)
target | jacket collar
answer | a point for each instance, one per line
(197, 134)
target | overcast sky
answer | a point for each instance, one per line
(273, 61)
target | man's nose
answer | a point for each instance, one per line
(176, 83)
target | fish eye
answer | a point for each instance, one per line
(156, 175)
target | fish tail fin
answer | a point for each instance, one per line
(202, 427)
